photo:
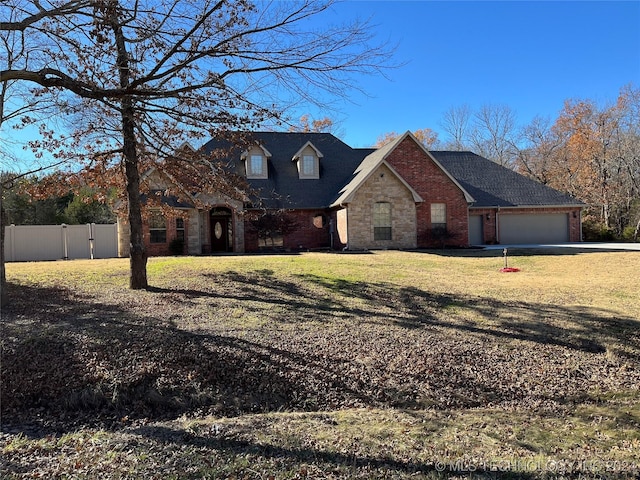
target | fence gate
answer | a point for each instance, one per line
(27, 243)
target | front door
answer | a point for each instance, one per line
(220, 231)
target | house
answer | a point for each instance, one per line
(317, 192)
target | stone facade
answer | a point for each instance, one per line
(202, 237)
(382, 186)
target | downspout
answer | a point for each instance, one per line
(580, 220)
(331, 233)
(497, 229)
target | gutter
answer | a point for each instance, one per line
(566, 205)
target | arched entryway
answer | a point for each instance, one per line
(221, 222)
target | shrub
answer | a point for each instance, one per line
(596, 232)
(176, 246)
(628, 234)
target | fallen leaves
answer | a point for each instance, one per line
(228, 345)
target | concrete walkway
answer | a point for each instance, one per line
(578, 245)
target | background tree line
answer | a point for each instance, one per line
(590, 151)
(22, 207)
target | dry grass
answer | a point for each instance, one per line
(387, 365)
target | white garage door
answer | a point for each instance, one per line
(534, 228)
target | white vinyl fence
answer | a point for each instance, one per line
(25, 243)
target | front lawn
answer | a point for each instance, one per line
(319, 365)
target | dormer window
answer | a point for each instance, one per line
(256, 162)
(308, 165)
(256, 166)
(308, 161)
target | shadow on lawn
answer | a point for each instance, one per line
(321, 300)
(70, 360)
(348, 464)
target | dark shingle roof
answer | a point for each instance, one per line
(493, 185)
(488, 183)
(337, 167)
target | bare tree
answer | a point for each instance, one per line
(141, 77)
(494, 134)
(18, 108)
(627, 151)
(537, 155)
(455, 123)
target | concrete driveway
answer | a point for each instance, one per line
(578, 245)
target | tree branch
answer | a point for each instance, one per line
(64, 9)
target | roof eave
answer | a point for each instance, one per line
(513, 207)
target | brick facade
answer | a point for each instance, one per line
(308, 235)
(396, 174)
(489, 225)
(310, 229)
(161, 249)
(434, 186)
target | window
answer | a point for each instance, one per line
(308, 165)
(256, 166)
(255, 161)
(438, 216)
(157, 228)
(319, 221)
(382, 221)
(308, 161)
(180, 229)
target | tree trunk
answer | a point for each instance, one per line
(137, 250)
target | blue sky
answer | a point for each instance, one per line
(530, 56)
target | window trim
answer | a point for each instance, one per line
(382, 222)
(180, 230)
(155, 230)
(249, 155)
(308, 150)
(438, 211)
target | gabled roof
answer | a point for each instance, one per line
(336, 168)
(493, 185)
(298, 154)
(343, 169)
(373, 161)
(369, 165)
(266, 152)
(169, 200)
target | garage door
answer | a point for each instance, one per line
(534, 228)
